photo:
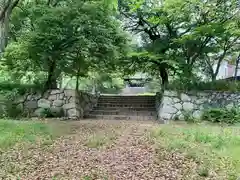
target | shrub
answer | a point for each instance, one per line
(188, 116)
(8, 109)
(20, 88)
(222, 115)
(8, 94)
(219, 85)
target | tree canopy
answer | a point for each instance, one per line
(43, 41)
(71, 37)
(178, 35)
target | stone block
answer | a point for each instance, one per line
(46, 94)
(185, 97)
(188, 106)
(58, 103)
(168, 100)
(69, 106)
(73, 100)
(70, 93)
(201, 101)
(165, 116)
(197, 114)
(29, 97)
(31, 104)
(52, 97)
(178, 106)
(40, 112)
(32, 97)
(168, 109)
(170, 94)
(60, 96)
(73, 113)
(43, 103)
(176, 100)
(55, 91)
(57, 111)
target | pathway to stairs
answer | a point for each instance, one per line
(98, 150)
(128, 107)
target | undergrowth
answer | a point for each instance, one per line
(13, 132)
(215, 149)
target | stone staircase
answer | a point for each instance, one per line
(124, 108)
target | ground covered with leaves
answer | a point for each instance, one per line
(118, 150)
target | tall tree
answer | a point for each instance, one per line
(68, 39)
(6, 8)
(177, 31)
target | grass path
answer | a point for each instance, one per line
(100, 150)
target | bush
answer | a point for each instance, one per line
(222, 115)
(8, 94)
(188, 117)
(9, 109)
(20, 88)
(14, 111)
(219, 85)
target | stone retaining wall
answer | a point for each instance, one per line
(67, 103)
(174, 104)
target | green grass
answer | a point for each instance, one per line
(99, 140)
(13, 132)
(214, 148)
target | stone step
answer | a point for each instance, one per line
(126, 100)
(121, 117)
(126, 105)
(124, 109)
(118, 112)
(127, 97)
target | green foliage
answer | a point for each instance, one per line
(222, 115)
(21, 89)
(220, 85)
(183, 33)
(11, 110)
(70, 38)
(99, 81)
(188, 116)
(9, 92)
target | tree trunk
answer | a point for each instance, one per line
(61, 82)
(77, 81)
(52, 78)
(4, 29)
(236, 68)
(164, 77)
(214, 76)
(6, 8)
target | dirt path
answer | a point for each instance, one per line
(98, 150)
